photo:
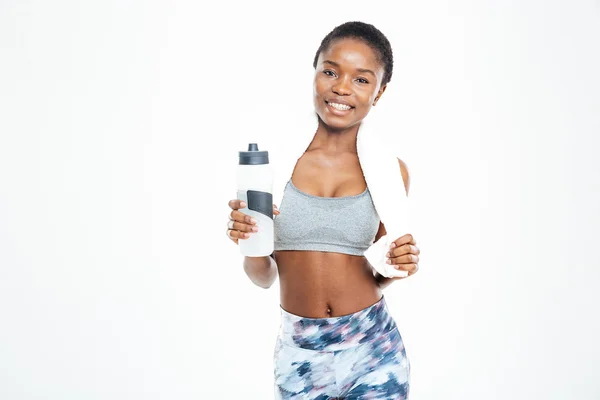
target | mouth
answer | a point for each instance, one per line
(338, 108)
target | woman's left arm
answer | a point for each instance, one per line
(405, 253)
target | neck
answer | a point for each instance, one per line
(335, 140)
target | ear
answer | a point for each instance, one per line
(381, 90)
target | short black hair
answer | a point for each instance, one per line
(368, 34)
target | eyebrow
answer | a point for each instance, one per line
(363, 70)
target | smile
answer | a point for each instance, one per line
(339, 107)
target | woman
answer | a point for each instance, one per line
(337, 337)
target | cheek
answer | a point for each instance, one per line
(366, 97)
(320, 86)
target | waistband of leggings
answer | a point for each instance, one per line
(336, 333)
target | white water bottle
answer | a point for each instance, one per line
(255, 188)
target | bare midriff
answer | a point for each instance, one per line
(317, 284)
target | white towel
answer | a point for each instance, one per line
(380, 168)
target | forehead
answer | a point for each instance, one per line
(351, 53)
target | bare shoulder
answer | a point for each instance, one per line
(405, 174)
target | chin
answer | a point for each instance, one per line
(338, 123)
(333, 121)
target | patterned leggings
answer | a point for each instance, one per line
(352, 357)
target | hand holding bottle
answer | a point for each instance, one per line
(240, 225)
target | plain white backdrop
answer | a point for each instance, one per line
(120, 124)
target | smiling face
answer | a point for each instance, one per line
(347, 83)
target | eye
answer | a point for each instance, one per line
(328, 70)
(363, 80)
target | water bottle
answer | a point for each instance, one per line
(255, 188)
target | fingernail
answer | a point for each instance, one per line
(252, 221)
(242, 204)
(387, 254)
(392, 245)
(255, 229)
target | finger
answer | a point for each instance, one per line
(242, 227)
(276, 210)
(408, 238)
(413, 270)
(241, 217)
(410, 268)
(234, 234)
(229, 235)
(404, 249)
(404, 259)
(410, 273)
(236, 204)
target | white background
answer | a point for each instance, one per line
(119, 131)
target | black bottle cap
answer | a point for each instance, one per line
(253, 156)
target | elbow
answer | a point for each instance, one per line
(265, 282)
(261, 276)
(264, 285)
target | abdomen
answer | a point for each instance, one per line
(325, 284)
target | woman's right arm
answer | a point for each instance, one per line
(262, 271)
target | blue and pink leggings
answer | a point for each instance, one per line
(352, 357)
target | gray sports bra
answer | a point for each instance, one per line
(332, 224)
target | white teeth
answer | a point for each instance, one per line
(341, 107)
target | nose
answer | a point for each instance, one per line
(341, 87)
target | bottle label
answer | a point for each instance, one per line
(259, 205)
(261, 202)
